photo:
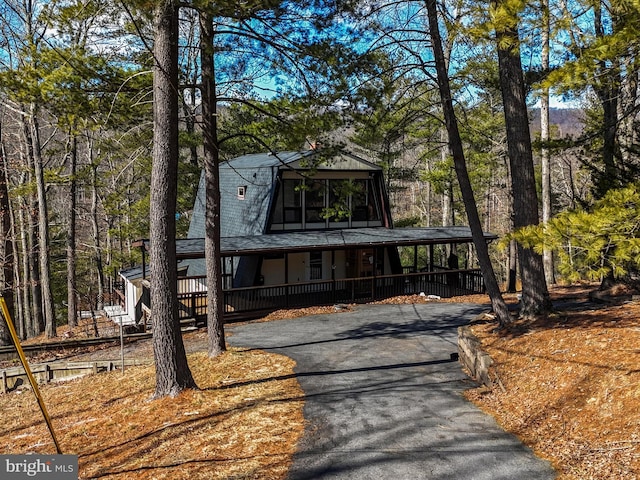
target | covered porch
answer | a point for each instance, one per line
(342, 267)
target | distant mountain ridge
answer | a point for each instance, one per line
(565, 122)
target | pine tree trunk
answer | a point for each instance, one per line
(19, 318)
(535, 296)
(512, 267)
(545, 136)
(512, 253)
(36, 322)
(172, 370)
(455, 142)
(48, 306)
(72, 298)
(18, 307)
(95, 228)
(215, 298)
(608, 92)
(627, 132)
(6, 249)
(26, 279)
(448, 216)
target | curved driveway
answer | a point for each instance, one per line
(383, 397)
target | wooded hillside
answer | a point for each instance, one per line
(77, 126)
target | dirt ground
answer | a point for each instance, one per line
(567, 385)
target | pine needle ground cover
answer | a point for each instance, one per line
(243, 423)
(569, 387)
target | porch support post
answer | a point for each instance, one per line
(375, 272)
(333, 276)
(144, 263)
(431, 258)
(286, 278)
(415, 258)
(224, 271)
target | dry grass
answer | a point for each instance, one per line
(244, 422)
(571, 389)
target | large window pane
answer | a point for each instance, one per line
(373, 204)
(288, 207)
(315, 265)
(359, 201)
(314, 199)
(364, 202)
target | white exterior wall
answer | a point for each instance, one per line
(273, 269)
(133, 292)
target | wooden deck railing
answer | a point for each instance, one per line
(244, 301)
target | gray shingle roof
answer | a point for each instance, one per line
(263, 160)
(329, 239)
(193, 248)
(345, 160)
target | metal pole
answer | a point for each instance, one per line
(25, 364)
(144, 266)
(121, 347)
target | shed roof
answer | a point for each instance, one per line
(132, 273)
(327, 240)
(298, 160)
(261, 160)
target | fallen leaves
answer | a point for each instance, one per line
(571, 389)
(567, 385)
(243, 422)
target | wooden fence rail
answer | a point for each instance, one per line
(15, 377)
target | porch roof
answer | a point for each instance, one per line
(327, 240)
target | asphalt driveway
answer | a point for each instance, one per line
(384, 397)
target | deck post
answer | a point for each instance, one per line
(333, 276)
(375, 273)
(431, 255)
(286, 279)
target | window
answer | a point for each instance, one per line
(288, 207)
(315, 265)
(359, 210)
(241, 192)
(326, 203)
(314, 201)
(373, 206)
(364, 205)
(339, 200)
